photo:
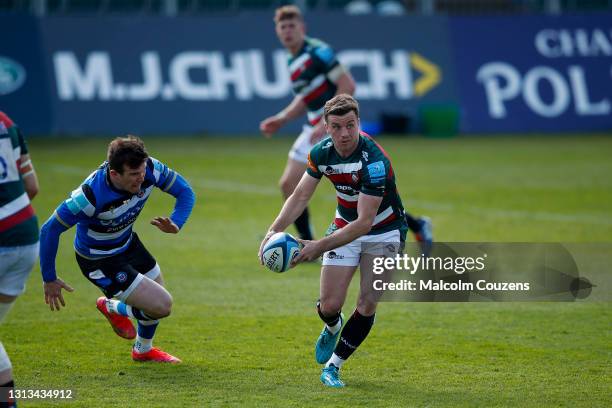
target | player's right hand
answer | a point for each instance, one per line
(53, 293)
(270, 125)
(263, 243)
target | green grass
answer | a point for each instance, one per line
(246, 335)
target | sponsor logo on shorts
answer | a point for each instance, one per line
(334, 255)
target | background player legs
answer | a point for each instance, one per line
(289, 180)
(6, 373)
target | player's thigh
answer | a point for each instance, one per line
(141, 259)
(15, 267)
(302, 146)
(335, 281)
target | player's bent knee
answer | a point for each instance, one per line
(162, 308)
(330, 307)
(366, 307)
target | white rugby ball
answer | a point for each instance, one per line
(279, 251)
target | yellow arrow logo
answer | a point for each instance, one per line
(430, 74)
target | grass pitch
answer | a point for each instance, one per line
(246, 335)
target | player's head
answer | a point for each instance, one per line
(290, 27)
(127, 161)
(341, 114)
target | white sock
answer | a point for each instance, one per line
(335, 360)
(111, 305)
(142, 345)
(335, 328)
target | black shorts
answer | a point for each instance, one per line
(118, 275)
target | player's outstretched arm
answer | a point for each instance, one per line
(293, 207)
(49, 241)
(185, 200)
(53, 293)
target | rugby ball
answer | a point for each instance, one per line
(279, 251)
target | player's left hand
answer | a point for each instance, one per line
(165, 224)
(310, 251)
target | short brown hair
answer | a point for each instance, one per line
(129, 150)
(287, 13)
(341, 105)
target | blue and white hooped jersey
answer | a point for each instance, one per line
(104, 215)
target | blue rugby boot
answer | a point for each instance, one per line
(330, 376)
(326, 343)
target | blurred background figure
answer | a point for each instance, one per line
(18, 231)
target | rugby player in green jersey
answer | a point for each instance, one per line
(369, 211)
(18, 231)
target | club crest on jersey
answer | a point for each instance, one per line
(121, 277)
(141, 193)
(365, 155)
(327, 145)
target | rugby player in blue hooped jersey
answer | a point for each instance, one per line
(316, 76)
(108, 252)
(369, 217)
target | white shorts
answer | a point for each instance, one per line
(301, 147)
(15, 266)
(350, 254)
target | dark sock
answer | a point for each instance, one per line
(413, 223)
(5, 402)
(353, 334)
(329, 320)
(302, 224)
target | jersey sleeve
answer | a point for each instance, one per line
(312, 167)
(22, 142)
(164, 176)
(374, 178)
(174, 184)
(80, 206)
(325, 56)
(329, 64)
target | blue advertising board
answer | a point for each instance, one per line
(224, 74)
(534, 73)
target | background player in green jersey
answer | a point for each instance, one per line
(369, 216)
(316, 76)
(18, 230)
